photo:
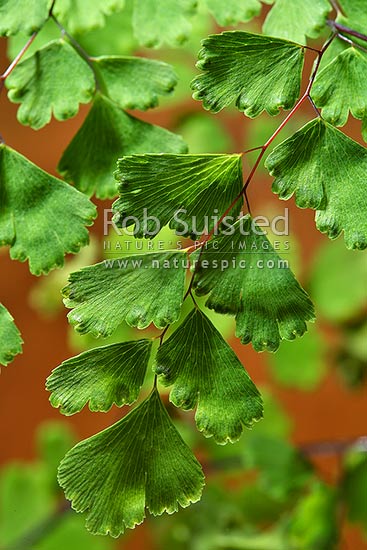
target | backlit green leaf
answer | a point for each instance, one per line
(115, 37)
(190, 192)
(80, 16)
(207, 374)
(139, 462)
(352, 15)
(25, 16)
(246, 278)
(327, 171)
(232, 12)
(296, 20)
(103, 376)
(10, 338)
(255, 72)
(355, 12)
(41, 218)
(342, 87)
(106, 134)
(157, 22)
(138, 289)
(135, 82)
(15, 44)
(54, 80)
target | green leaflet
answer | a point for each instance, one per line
(26, 16)
(327, 171)
(207, 374)
(137, 289)
(256, 72)
(106, 134)
(355, 12)
(342, 87)
(232, 12)
(296, 20)
(139, 462)
(14, 44)
(103, 376)
(41, 218)
(156, 22)
(115, 37)
(54, 80)
(10, 338)
(353, 15)
(135, 82)
(190, 192)
(246, 278)
(80, 16)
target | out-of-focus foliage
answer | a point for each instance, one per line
(300, 364)
(33, 512)
(282, 504)
(278, 504)
(203, 134)
(355, 488)
(351, 357)
(330, 285)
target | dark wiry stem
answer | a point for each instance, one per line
(337, 27)
(80, 50)
(351, 42)
(16, 60)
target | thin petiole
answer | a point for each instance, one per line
(337, 27)
(313, 105)
(80, 49)
(351, 42)
(292, 112)
(16, 60)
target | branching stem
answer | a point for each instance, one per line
(351, 42)
(337, 27)
(263, 149)
(16, 60)
(297, 106)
